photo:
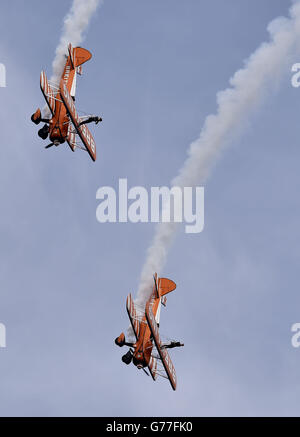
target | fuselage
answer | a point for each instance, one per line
(58, 125)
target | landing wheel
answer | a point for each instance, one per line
(127, 358)
(43, 133)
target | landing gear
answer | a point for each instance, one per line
(127, 358)
(43, 133)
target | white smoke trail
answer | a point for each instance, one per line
(75, 24)
(234, 105)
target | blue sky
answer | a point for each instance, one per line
(154, 75)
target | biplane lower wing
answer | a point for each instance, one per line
(133, 317)
(83, 131)
(153, 368)
(71, 138)
(135, 323)
(48, 92)
(164, 356)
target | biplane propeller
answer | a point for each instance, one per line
(149, 351)
(64, 124)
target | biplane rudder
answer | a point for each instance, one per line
(165, 286)
(78, 56)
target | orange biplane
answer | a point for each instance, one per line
(65, 123)
(148, 350)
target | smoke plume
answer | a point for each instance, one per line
(75, 24)
(248, 87)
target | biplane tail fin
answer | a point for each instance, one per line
(163, 354)
(78, 56)
(163, 286)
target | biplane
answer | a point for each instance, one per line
(148, 350)
(64, 123)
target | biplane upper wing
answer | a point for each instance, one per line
(48, 92)
(83, 131)
(163, 353)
